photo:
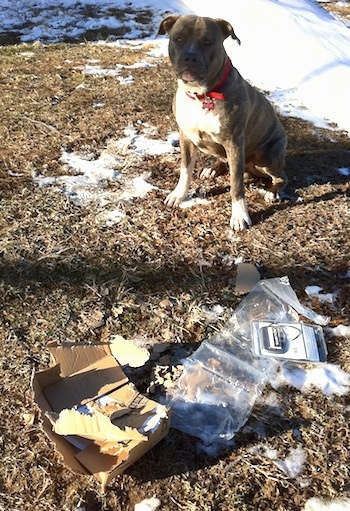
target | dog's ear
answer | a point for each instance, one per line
(227, 29)
(167, 24)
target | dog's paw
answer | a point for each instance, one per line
(240, 218)
(175, 198)
(240, 224)
(208, 173)
(218, 169)
(271, 197)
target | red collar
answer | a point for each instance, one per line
(215, 94)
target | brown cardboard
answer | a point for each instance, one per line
(104, 467)
(127, 353)
(97, 419)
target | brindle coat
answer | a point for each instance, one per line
(242, 129)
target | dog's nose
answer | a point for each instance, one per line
(190, 57)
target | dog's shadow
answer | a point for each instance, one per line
(303, 170)
(312, 169)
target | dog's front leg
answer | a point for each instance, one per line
(188, 160)
(240, 219)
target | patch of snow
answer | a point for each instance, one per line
(328, 378)
(148, 505)
(287, 103)
(190, 202)
(139, 187)
(344, 171)
(111, 217)
(294, 463)
(141, 145)
(317, 504)
(339, 331)
(96, 171)
(143, 64)
(97, 71)
(315, 292)
(125, 80)
(90, 175)
(88, 180)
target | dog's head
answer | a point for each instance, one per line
(196, 47)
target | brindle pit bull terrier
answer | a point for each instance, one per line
(218, 112)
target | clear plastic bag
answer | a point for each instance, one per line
(272, 299)
(215, 394)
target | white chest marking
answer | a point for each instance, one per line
(192, 118)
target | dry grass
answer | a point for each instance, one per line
(339, 9)
(59, 269)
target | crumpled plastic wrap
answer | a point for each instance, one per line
(221, 380)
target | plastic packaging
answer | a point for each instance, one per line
(215, 394)
(289, 341)
(273, 300)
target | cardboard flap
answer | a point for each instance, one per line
(74, 357)
(91, 382)
(66, 450)
(127, 353)
(96, 427)
(101, 465)
(104, 466)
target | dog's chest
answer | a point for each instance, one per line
(194, 120)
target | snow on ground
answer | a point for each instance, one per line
(300, 54)
(316, 504)
(97, 71)
(148, 505)
(296, 51)
(316, 292)
(330, 379)
(292, 465)
(87, 177)
(339, 331)
(50, 21)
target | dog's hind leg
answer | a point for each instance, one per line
(278, 178)
(272, 166)
(188, 159)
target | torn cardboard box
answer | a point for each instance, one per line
(97, 419)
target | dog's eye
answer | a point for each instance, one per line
(207, 42)
(178, 39)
